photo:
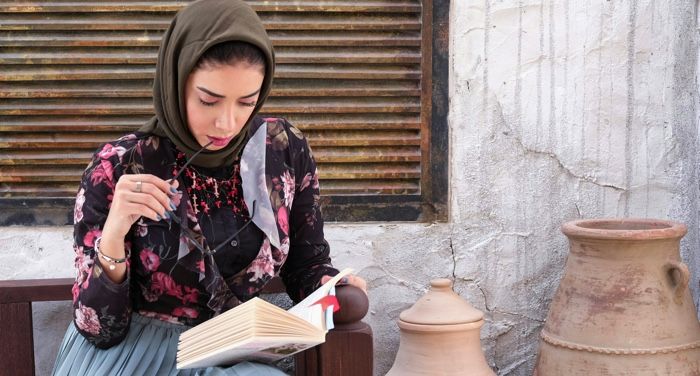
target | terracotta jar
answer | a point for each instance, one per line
(623, 306)
(440, 336)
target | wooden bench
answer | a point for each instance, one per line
(348, 350)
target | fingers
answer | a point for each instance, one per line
(350, 279)
(146, 195)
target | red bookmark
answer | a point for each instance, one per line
(328, 300)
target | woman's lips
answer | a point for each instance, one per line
(217, 141)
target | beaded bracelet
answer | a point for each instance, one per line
(112, 261)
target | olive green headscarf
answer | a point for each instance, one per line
(194, 30)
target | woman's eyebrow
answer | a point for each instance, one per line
(251, 94)
(213, 94)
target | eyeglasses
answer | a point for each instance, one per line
(190, 235)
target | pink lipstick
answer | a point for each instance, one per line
(217, 141)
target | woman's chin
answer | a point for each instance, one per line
(213, 147)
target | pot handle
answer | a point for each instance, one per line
(679, 276)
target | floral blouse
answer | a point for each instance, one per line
(169, 278)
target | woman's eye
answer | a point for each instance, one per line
(206, 103)
(251, 104)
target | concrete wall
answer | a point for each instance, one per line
(558, 110)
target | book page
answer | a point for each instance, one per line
(255, 349)
(308, 310)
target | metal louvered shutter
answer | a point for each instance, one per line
(350, 74)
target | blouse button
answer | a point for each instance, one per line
(234, 243)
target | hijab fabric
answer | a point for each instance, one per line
(194, 30)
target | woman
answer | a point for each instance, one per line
(196, 211)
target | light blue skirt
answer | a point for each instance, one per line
(150, 348)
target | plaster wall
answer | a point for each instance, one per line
(558, 110)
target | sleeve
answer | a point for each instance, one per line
(309, 253)
(101, 308)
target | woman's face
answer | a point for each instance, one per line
(219, 99)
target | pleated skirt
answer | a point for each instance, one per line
(149, 349)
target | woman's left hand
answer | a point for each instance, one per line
(349, 279)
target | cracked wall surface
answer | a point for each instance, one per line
(563, 110)
(558, 110)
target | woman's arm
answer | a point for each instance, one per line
(101, 301)
(309, 253)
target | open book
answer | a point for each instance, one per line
(260, 331)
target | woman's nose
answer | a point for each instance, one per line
(228, 120)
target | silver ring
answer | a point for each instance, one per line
(138, 186)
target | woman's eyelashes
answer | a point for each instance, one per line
(209, 104)
(202, 101)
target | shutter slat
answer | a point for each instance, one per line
(160, 21)
(148, 38)
(329, 171)
(173, 6)
(75, 74)
(143, 89)
(340, 187)
(136, 55)
(79, 156)
(117, 72)
(123, 106)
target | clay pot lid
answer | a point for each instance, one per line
(441, 306)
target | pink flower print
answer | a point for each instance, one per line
(86, 319)
(75, 291)
(160, 316)
(283, 219)
(89, 238)
(283, 250)
(262, 264)
(305, 181)
(185, 312)
(149, 295)
(176, 198)
(190, 296)
(315, 180)
(86, 281)
(141, 230)
(78, 210)
(82, 263)
(163, 283)
(200, 266)
(109, 150)
(103, 173)
(149, 259)
(127, 137)
(288, 181)
(260, 267)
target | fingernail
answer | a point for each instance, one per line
(172, 206)
(167, 215)
(158, 217)
(173, 190)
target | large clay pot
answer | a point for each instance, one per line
(623, 306)
(440, 336)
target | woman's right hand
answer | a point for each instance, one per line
(129, 204)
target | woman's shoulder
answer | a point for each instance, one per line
(135, 153)
(122, 145)
(275, 126)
